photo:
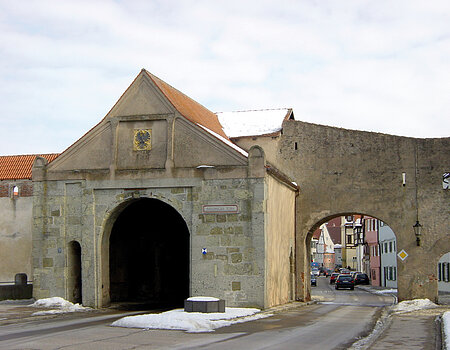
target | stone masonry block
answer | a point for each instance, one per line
(235, 286)
(216, 231)
(47, 262)
(236, 258)
(232, 217)
(221, 218)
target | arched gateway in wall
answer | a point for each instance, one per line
(249, 202)
(145, 255)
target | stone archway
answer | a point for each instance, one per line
(146, 256)
(74, 281)
(371, 249)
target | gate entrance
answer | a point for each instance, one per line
(149, 256)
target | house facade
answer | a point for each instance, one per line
(388, 250)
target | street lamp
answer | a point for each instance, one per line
(417, 228)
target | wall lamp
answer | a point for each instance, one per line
(417, 228)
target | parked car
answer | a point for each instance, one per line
(344, 271)
(326, 272)
(344, 281)
(315, 272)
(361, 278)
(313, 280)
(333, 277)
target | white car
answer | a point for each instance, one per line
(315, 272)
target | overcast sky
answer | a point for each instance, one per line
(380, 65)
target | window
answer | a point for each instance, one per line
(390, 273)
(440, 272)
(349, 239)
(395, 273)
(385, 247)
(390, 247)
(15, 191)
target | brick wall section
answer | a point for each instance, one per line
(25, 188)
(4, 189)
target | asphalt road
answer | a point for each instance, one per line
(336, 321)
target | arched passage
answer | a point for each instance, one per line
(74, 285)
(354, 242)
(149, 255)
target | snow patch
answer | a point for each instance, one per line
(385, 291)
(59, 304)
(202, 299)
(224, 140)
(252, 123)
(193, 322)
(413, 305)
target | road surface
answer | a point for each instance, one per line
(336, 321)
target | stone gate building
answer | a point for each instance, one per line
(155, 204)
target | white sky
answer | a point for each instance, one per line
(370, 65)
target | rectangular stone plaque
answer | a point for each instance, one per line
(220, 209)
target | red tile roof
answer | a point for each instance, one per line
(19, 167)
(317, 233)
(189, 108)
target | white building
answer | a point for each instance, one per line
(444, 274)
(388, 249)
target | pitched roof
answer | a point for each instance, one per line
(264, 122)
(317, 233)
(335, 234)
(19, 167)
(190, 109)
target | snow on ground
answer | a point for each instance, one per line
(59, 306)
(193, 322)
(17, 302)
(446, 326)
(413, 305)
(384, 291)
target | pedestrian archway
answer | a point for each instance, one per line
(74, 284)
(148, 256)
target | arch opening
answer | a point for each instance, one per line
(355, 244)
(74, 284)
(149, 256)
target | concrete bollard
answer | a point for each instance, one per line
(204, 304)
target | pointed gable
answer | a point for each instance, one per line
(188, 108)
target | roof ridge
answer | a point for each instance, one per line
(30, 154)
(257, 110)
(189, 108)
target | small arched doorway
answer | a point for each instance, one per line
(74, 286)
(149, 256)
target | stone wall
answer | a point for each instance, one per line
(85, 211)
(280, 243)
(15, 229)
(346, 172)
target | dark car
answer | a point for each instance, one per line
(333, 277)
(361, 278)
(313, 280)
(345, 281)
